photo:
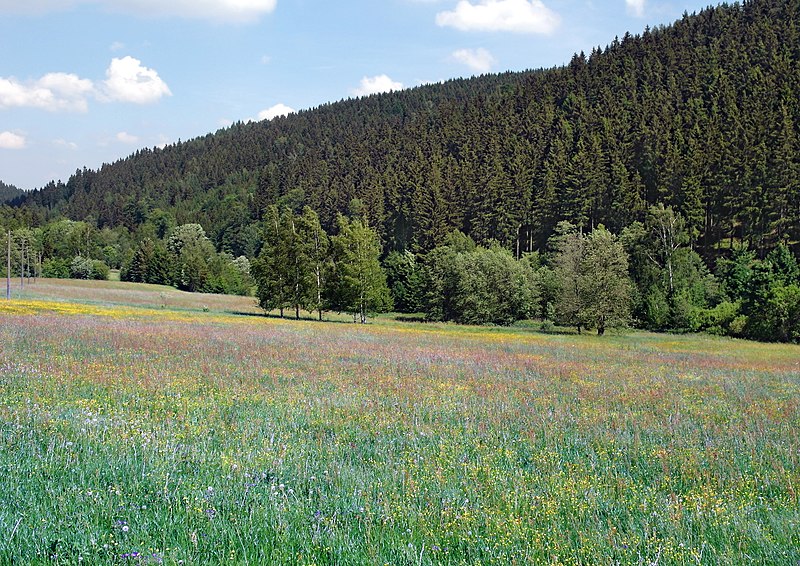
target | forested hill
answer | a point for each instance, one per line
(702, 115)
(8, 192)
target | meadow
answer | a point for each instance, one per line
(138, 432)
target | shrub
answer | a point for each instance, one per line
(56, 268)
(81, 268)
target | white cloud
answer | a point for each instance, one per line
(125, 137)
(128, 81)
(636, 7)
(275, 111)
(520, 16)
(375, 85)
(234, 11)
(53, 92)
(266, 59)
(479, 60)
(10, 140)
(65, 144)
(117, 46)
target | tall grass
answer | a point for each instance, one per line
(133, 436)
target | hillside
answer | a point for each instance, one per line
(8, 192)
(701, 115)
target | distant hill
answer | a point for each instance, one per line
(702, 115)
(9, 192)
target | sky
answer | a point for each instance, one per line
(87, 82)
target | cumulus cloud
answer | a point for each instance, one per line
(519, 16)
(479, 60)
(53, 92)
(10, 140)
(127, 80)
(375, 85)
(275, 111)
(125, 137)
(231, 11)
(636, 7)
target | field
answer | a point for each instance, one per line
(139, 429)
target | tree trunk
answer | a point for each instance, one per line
(297, 312)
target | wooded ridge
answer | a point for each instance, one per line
(701, 116)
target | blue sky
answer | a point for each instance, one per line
(83, 82)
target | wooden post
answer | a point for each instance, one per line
(22, 264)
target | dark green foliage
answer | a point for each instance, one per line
(228, 275)
(293, 267)
(673, 285)
(405, 280)
(272, 268)
(9, 192)
(567, 249)
(150, 263)
(56, 268)
(470, 284)
(318, 261)
(768, 291)
(192, 252)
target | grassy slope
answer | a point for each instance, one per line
(206, 437)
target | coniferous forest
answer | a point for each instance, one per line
(672, 155)
(8, 192)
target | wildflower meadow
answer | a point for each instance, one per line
(150, 435)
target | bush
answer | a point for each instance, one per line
(81, 268)
(100, 270)
(56, 268)
(719, 319)
(738, 325)
(85, 268)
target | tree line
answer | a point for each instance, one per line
(648, 276)
(8, 192)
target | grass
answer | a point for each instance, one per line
(136, 434)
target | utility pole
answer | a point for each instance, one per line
(8, 269)
(22, 263)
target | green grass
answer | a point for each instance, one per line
(133, 432)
